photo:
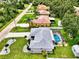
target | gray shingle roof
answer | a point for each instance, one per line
(42, 38)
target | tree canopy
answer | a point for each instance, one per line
(71, 23)
(9, 9)
(58, 7)
(64, 10)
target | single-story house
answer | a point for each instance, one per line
(40, 39)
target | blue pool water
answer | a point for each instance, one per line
(57, 38)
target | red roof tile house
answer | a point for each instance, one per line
(41, 7)
(43, 19)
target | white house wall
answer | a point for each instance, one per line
(39, 50)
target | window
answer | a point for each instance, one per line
(32, 37)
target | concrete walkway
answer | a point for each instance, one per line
(30, 13)
(4, 32)
(23, 25)
(25, 49)
(56, 28)
(17, 34)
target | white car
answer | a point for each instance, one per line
(75, 49)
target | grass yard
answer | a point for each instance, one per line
(16, 50)
(32, 8)
(17, 53)
(62, 52)
(25, 18)
(20, 29)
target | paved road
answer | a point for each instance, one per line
(12, 24)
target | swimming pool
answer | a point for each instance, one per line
(57, 38)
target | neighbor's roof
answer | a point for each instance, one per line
(42, 19)
(41, 7)
(42, 39)
(43, 12)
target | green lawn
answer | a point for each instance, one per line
(25, 17)
(26, 5)
(32, 8)
(20, 29)
(17, 53)
(62, 52)
(16, 50)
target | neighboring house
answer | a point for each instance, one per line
(76, 10)
(75, 50)
(40, 39)
(43, 19)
